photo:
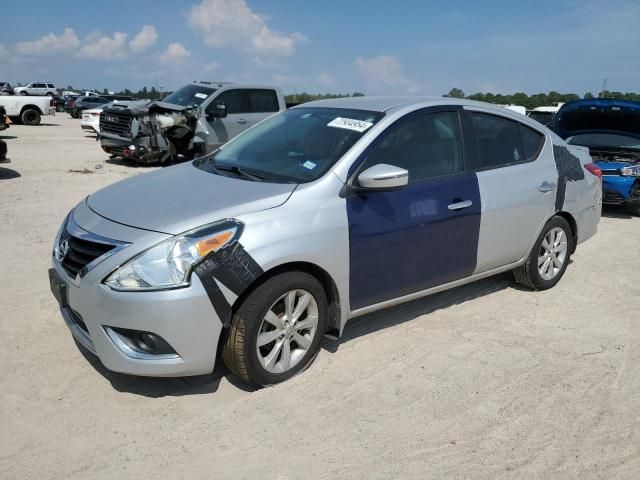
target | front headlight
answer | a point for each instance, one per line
(630, 171)
(169, 264)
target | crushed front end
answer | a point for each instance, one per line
(149, 133)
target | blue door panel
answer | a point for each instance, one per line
(407, 240)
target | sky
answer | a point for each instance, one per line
(375, 47)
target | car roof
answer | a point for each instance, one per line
(392, 104)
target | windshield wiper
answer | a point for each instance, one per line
(240, 172)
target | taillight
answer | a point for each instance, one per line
(593, 169)
(52, 103)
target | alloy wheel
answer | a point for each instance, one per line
(553, 253)
(287, 331)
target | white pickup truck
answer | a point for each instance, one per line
(27, 109)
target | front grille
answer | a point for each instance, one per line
(117, 123)
(81, 253)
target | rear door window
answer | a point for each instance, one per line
(501, 142)
(532, 142)
(263, 101)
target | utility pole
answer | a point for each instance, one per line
(604, 88)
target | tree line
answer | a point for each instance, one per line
(520, 98)
(538, 99)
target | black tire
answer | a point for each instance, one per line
(240, 351)
(24, 92)
(59, 108)
(528, 275)
(30, 116)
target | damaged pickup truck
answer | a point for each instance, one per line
(192, 121)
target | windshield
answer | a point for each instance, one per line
(295, 146)
(605, 141)
(189, 96)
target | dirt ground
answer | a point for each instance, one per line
(487, 381)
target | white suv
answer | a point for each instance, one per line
(37, 89)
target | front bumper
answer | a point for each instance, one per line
(619, 190)
(184, 318)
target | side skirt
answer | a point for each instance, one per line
(439, 288)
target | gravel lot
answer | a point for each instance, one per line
(486, 381)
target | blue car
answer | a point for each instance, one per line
(611, 130)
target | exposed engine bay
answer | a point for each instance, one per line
(150, 132)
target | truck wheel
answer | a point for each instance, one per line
(24, 92)
(277, 330)
(549, 257)
(30, 116)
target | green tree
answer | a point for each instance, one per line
(455, 93)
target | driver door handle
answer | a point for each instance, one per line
(460, 205)
(547, 187)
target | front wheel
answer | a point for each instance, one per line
(549, 257)
(277, 330)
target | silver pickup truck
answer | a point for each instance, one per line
(192, 121)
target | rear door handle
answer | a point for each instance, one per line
(242, 121)
(547, 187)
(460, 205)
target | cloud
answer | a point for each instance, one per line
(325, 80)
(211, 66)
(232, 22)
(385, 72)
(50, 43)
(145, 39)
(106, 48)
(4, 51)
(175, 53)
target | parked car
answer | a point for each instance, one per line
(91, 119)
(192, 121)
(27, 110)
(37, 89)
(77, 106)
(611, 130)
(545, 115)
(318, 214)
(4, 124)
(4, 119)
(6, 88)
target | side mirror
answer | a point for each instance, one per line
(217, 110)
(382, 177)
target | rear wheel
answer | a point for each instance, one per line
(549, 257)
(277, 330)
(30, 116)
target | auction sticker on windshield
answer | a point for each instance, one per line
(201, 95)
(350, 124)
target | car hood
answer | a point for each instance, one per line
(598, 116)
(176, 199)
